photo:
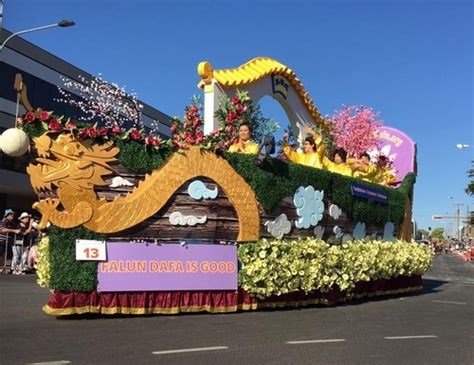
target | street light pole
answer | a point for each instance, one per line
(61, 24)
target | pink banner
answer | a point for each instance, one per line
(146, 267)
(400, 149)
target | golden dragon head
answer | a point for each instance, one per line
(66, 160)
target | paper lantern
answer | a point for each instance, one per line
(14, 142)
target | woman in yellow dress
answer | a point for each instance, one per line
(311, 156)
(339, 164)
(245, 143)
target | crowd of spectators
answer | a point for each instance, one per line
(18, 240)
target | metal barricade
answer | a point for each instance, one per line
(11, 243)
(9, 240)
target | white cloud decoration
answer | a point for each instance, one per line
(359, 231)
(177, 218)
(279, 226)
(309, 206)
(319, 232)
(119, 181)
(388, 231)
(337, 231)
(198, 190)
(334, 211)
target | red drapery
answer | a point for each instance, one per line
(173, 302)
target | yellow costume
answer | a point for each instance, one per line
(251, 148)
(312, 159)
(385, 176)
(341, 168)
(368, 173)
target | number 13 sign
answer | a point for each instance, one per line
(90, 250)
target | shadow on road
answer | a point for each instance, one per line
(429, 287)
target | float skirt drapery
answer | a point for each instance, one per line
(173, 302)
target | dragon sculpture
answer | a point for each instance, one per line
(74, 168)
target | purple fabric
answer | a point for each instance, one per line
(150, 267)
(402, 147)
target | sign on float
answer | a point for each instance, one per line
(149, 267)
(90, 250)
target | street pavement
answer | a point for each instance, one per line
(435, 326)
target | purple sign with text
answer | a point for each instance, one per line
(399, 148)
(150, 267)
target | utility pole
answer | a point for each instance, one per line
(457, 209)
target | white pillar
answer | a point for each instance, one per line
(212, 94)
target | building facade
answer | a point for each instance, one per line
(41, 72)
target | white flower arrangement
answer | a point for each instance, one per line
(279, 267)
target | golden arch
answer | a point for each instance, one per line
(154, 192)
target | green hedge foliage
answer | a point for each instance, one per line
(136, 158)
(67, 274)
(276, 179)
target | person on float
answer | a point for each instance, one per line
(385, 174)
(363, 169)
(339, 164)
(311, 156)
(245, 143)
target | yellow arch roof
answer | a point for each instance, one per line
(253, 71)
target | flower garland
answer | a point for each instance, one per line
(39, 122)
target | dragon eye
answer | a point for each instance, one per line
(69, 149)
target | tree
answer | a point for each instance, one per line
(423, 233)
(102, 102)
(438, 233)
(354, 129)
(470, 186)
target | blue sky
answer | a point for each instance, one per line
(411, 60)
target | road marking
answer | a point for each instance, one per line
(448, 302)
(59, 362)
(190, 350)
(315, 341)
(409, 337)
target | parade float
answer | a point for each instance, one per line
(141, 224)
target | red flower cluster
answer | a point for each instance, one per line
(153, 141)
(189, 132)
(48, 122)
(230, 114)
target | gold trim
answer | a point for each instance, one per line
(137, 311)
(253, 71)
(22, 90)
